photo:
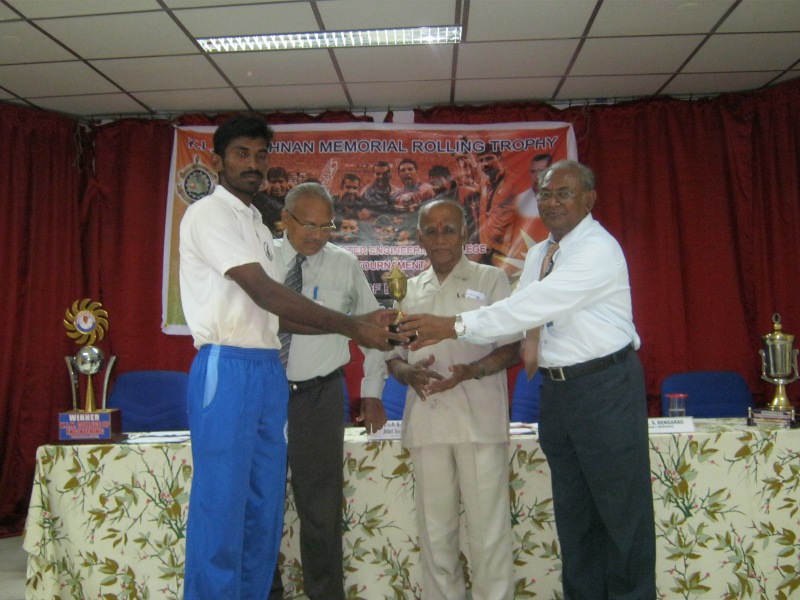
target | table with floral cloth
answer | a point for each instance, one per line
(108, 520)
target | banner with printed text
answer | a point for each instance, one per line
(379, 176)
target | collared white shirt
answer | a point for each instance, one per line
(217, 233)
(332, 278)
(584, 304)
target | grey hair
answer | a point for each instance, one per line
(585, 174)
(425, 208)
(309, 188)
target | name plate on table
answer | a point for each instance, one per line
(77, 425)
(670, 425)
(392, 430)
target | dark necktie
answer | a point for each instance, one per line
(530, 345)
(294, 281)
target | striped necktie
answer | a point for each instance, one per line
(530, 345)
(294, 281)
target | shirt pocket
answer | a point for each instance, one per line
(464, 304)
(329, 298)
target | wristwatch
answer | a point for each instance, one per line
(459, 326)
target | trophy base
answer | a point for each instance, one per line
(772, 419)
(393, 327)
(78, 425)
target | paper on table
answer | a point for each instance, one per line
(517, 428)
(157, 437)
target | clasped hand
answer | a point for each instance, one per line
(427, 382)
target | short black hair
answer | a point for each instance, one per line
(439, 171)
(277, 173)
(243, 125)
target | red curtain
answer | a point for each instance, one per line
(42, 275)
(703, 196)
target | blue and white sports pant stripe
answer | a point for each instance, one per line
(237, 416)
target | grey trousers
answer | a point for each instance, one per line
(593, 431)
(316, 446)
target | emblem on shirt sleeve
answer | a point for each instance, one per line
(195, 181)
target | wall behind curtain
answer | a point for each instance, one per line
(703, 196)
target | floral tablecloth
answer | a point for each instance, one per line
(108, 521)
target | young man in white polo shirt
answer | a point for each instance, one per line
(237, 387)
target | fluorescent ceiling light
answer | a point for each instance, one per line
(333, 39)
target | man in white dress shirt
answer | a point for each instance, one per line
(593, 416)
(332, 278)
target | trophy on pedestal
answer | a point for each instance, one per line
(398, 286)
(86, 322)
(779, 367)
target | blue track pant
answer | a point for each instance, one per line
(237, 417)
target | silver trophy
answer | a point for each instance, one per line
(779, 363)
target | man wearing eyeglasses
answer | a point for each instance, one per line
(574, 302)
(331, 277)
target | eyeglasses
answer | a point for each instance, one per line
(560, 195)
(327, 228)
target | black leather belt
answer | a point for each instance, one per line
(585, 368)
(296, 387)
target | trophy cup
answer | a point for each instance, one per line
(86, 322)
(398, 286)
(779, 367)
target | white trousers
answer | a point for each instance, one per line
(475, 475)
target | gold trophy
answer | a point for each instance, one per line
(398, 286)
(86, 322)
(779, 367)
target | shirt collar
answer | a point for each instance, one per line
(460, 271)
(573, 236)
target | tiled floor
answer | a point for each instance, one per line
(12, 569)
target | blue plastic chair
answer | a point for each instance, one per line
(394, 398)
(711, 393)
(151, 400)
(525, 398)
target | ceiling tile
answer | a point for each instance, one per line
(378, 14)
(291, 17)
(761, 15)
(630, 56)
(746, 52)
(200, 100)
(623, 86)
(53, 79)
(716, 83)
(20, 42)
(36, 9)
(260, 68)
(634, 17)
(195, 3)
(6, 14)
(486, 60)
(506, 90)
(91, 105)
(399, 63)
(296, 97)
(161, 72)
(114, 36)
(524, 20)
(400, 94)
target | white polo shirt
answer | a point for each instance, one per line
(217, 233)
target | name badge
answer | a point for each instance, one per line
(475, 295)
